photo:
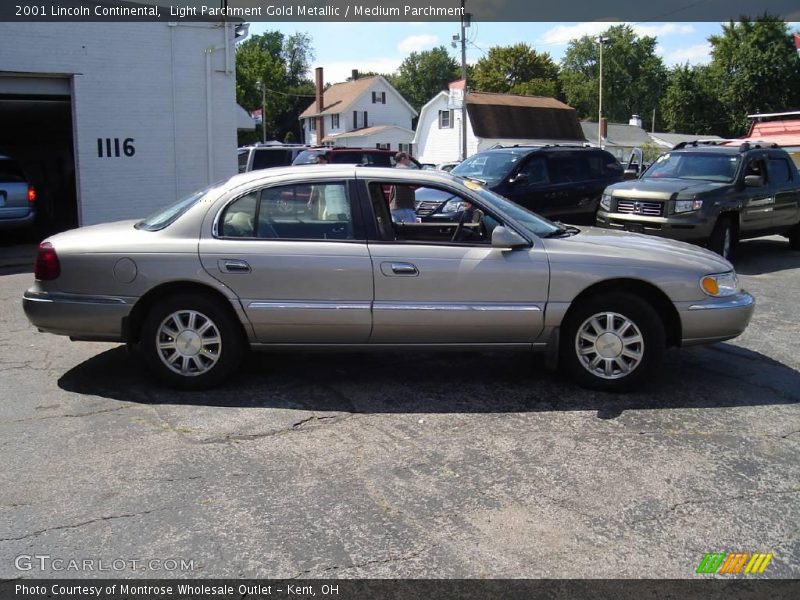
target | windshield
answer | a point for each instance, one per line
(308, 157)
(695, 165)
(167, 216)
(531, 221)
(490, 167)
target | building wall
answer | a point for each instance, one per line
(165, 87)
(394, 112)
(435, 145)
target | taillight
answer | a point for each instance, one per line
(47, 266)
(31, 194)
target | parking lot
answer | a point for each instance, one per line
(390, 465)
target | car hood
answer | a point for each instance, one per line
(604, 246)
(663, 188)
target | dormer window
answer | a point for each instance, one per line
(379, 97)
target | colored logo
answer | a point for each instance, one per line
(733, 563)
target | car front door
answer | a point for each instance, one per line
(430, 289)
(296, 256)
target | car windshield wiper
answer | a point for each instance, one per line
(476, 179)
(563, 230)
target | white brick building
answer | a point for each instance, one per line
(150, 110)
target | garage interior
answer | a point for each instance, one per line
(36, 117)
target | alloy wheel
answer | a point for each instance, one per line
(609, 345)
(188, 343)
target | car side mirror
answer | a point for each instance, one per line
(519, 178)
(754, 181)
(630, 174)
(505, 238)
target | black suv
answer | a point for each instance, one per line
(370, 157)
(563, 182)
(710, 193)
(267, 156)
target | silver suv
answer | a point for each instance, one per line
(17, 196)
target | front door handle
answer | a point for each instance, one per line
(233, 265)
(401, 269)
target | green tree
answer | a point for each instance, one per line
(633, 75)
(280, 64)
(422, 75)
(516, 69)
(754, 68)
(689, 103)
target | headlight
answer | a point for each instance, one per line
(605, 202)
(723, 284)
(687, 205)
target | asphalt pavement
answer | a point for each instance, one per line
(469, 465)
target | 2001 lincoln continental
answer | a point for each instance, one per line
(309, 257)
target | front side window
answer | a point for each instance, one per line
(430, 215)
(779, 170)
(319, 211)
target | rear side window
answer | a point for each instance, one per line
(266, 159)
(568, 168)
(779, 170)
(10, 171)
(291, 212)
(603, 165)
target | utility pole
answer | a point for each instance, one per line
(263, 112)
(464, 24)
(602, 41)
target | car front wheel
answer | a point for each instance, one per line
(612, 342)
(723, 239)
(191, 342)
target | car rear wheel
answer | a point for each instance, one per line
(612, 342)
(723, 239)
(191, 342)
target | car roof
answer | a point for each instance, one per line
(341, 170)
(525, 149)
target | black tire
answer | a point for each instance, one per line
(794, 238)
(577, 354)
(209, 349)
(723, 238)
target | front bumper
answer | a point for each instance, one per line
(715, 319)
(81, 317)
(688, 227)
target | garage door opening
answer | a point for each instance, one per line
(37, 132)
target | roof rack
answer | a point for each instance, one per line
(744, 146)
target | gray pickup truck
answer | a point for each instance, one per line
(17, 196)
(710, 194)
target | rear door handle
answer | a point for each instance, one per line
(233, 265)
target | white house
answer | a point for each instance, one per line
(492, 119)
(119, 119)
(365, 112)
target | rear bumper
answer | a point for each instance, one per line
(715, 319)
(95, 318)
(690, 227)
(18, 222)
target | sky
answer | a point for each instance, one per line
(381, 47)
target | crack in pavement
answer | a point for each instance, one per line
(677, 505)
(298, 426)
(74, 416)
(364, 564)
(77, 525)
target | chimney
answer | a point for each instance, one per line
(320, 82)
(603, 128)
(635, 120)
(354, 74)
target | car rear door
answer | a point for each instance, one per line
(302, 271)
(437, 291)
(759, 203)
(785, 181)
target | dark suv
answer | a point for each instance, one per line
(267, 156)
(710, 193)
(563, 182)
(370, 157)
